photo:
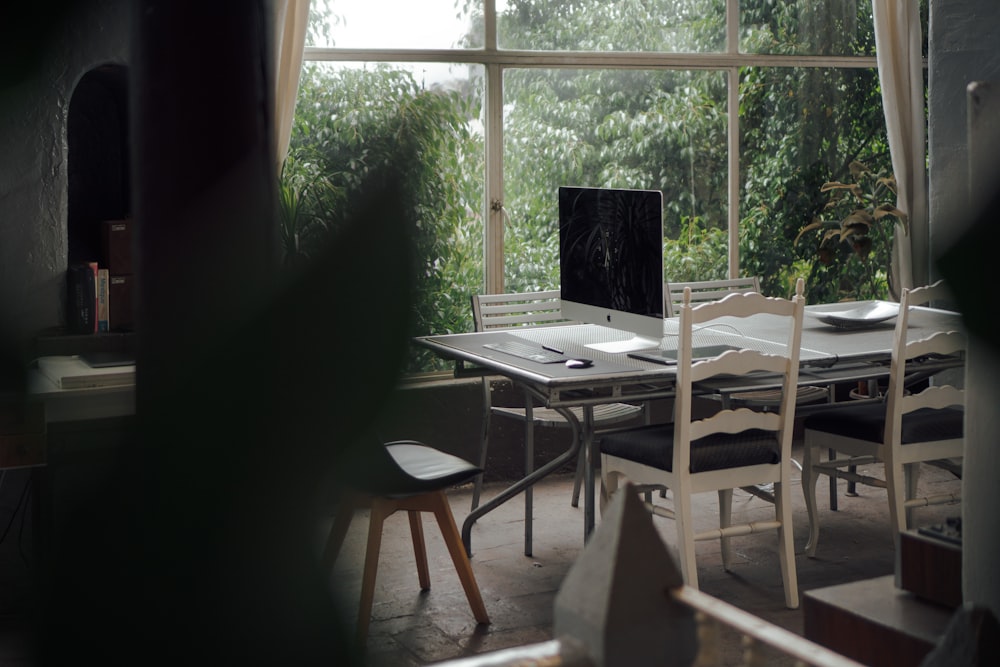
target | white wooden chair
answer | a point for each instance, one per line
(901, 432)
(704, 290)
(532, 309)
(731, 449)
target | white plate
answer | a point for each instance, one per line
(859, 314)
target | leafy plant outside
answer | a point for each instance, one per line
(855, 232)
(800, 128)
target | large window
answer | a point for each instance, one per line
(738, 110)
(661, 129)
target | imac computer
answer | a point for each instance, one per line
(611, 262)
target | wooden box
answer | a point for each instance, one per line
(930, 568)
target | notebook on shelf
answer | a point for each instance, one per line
(108, 359)
(71, 372)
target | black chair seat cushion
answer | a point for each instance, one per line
(654, 446)
(867, 422)
(408, 467)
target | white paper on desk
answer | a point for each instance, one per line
(69, 372)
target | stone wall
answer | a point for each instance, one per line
(76, 38)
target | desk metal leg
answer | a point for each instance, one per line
(526, 482)
(529, 466)
(590, 457)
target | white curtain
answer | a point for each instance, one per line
(291, 19)
(900, 70)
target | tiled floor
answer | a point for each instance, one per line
(413, 628)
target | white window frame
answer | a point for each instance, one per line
(496, 60)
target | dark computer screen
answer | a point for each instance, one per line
(611, 257)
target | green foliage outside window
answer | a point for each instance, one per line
(604, 128)
(353, 123)
(855, 233)
(802, 128)
(663, 129)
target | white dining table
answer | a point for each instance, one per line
(830, 353)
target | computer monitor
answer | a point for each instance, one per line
(611, 262)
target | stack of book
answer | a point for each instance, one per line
(100, 293)
(82, 372)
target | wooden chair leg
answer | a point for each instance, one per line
(338, 531)
(453, 540)
(786, 545)
(419, 549)
(685, 536)
(897, 483)
(911, 480)
(809, 479)
(832, 454)
(379, 512)
(725, 520)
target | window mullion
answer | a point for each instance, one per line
(493, 211)
(733, 137)
(494, 214)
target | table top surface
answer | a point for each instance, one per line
(823, 346)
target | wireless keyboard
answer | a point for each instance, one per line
(530, 351)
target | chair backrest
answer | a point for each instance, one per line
(936, 396)
(508, 311)
(524, 309)
(704, 290)
(774, 358)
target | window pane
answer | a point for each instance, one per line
(807, 27)
(662, 130)
(351, 121)
(674, 26)
(802, 128)
(395, 24)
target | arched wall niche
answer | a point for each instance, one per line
(98, 181)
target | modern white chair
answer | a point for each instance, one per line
(492, 312)
(901, 432)
(404, 475)
(730, 449)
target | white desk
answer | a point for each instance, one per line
(828, 354)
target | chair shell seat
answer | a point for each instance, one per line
(404, 475)
(867, 422)
(413, 468)
(426, 464)
(654, 446)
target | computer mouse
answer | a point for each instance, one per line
(579, 363)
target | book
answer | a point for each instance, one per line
(93, 267)
(116, 246)
(81, 303)
(103, 305)
(120, 302)
(102, 359)
(71, 372)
